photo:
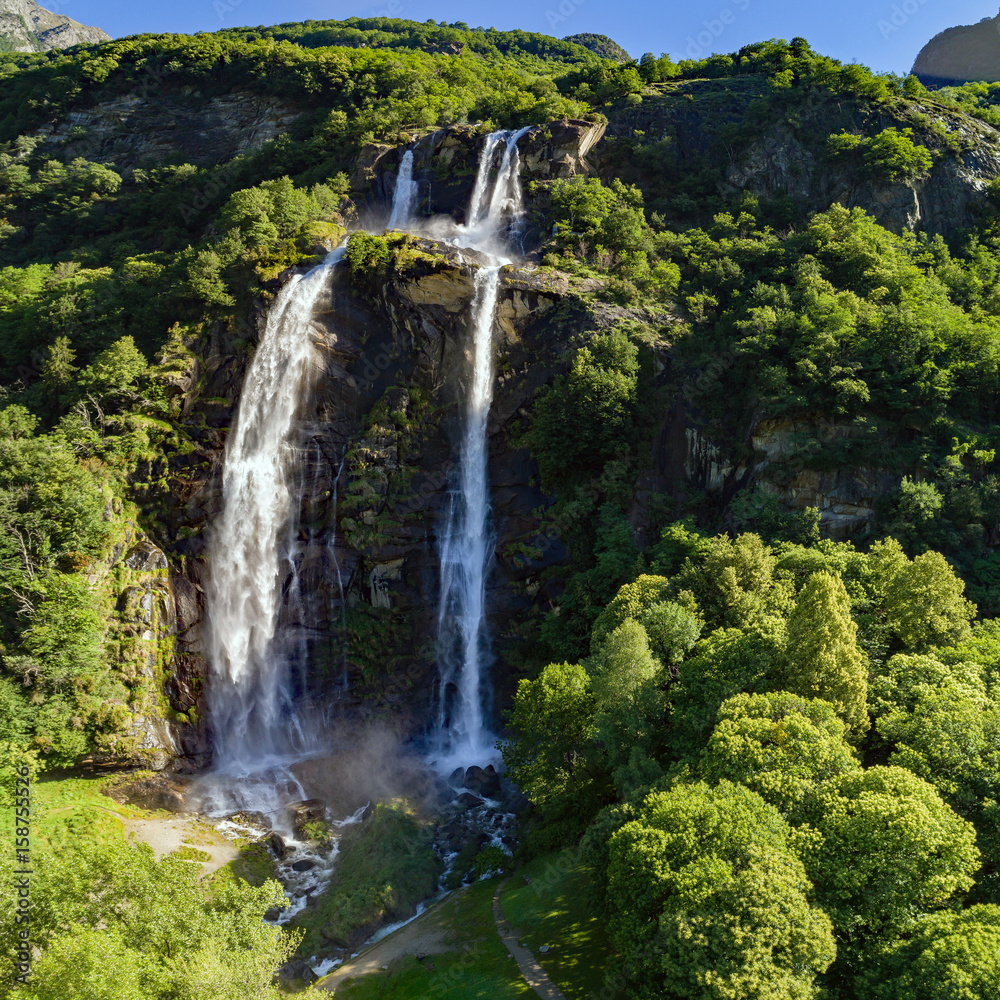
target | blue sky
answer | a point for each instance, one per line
(884, 34)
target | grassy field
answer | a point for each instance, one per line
(68, 810)
(478, 967)
(551, 909)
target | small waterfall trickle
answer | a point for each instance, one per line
(467, 541)
(405, 194)
(253, 554)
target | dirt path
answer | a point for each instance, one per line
(419, 937)
(534, 975)
(176, 832)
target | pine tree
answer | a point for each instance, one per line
(823, 659)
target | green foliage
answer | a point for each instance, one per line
(888, 848)
(599, 399)
(727, 662)
(950, 737)
(552, 725)
(823, 658)
(706, 899)
(925, 605)
(384, 869)
(366, 253)
(890, 156)
(944, 956)
(779, 745)
(109, 918)
(625, 677)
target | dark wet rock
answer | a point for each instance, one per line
(297, 971)
(304, 865)
(159, 792)
(306, 811)
(457, 778)
(277, 844)
(483, 781)
(466, 801)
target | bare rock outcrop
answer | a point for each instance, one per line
(966, 53)
(27, 27)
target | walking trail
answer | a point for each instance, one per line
(534, 975)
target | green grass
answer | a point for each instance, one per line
(553, 910)
(68, 810)
(384, 868)
(478, 968)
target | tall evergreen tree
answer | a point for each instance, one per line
(823, 659)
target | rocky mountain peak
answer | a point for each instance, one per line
(27, 27)
(962, 54)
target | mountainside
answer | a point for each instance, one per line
(962, 54)
(425, 448)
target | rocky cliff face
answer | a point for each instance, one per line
(377, 445)
(27, 27)
(788, 159)
(963, 54)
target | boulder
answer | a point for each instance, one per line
(483, 781)
(145, 557)
(306, 811)
(466, 801)
(277, 844)
(304, 865)
(457, 778)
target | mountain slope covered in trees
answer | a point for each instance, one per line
(744, 468)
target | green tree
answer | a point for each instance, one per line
(779, 745)
(109, 908)
(950, 737)
(631, 601)
(625, 677)
(598, 399)
(944, 956)
(926, 606)
(735, 583)
(114, 375)
(707, 900)
(725, 663)
(822, 654)
(552, 723)
(887, 848)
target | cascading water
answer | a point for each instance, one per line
(405, 195)
(254, 718)
(467, 541)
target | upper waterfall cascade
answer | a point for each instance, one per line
(405, 195)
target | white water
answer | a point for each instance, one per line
(254, 719)
(495, 211)
(405, 195)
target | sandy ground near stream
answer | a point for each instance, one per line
(176, 832)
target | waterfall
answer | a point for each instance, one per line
(468, 545)
(405, 194)
(467, 541)
(253, 549)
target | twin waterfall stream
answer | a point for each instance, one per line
(261, 723)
